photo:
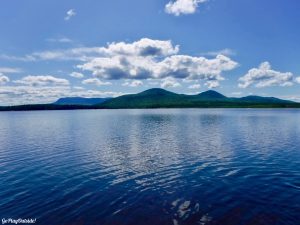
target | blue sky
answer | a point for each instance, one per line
(51, 49)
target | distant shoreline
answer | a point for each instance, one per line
(74, 107)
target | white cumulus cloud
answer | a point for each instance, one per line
(225, 51)
(153, 59)
(70, 14)
(170, 82)
(297, 79)
(134, 83)
(179, 7)
(95, 81)
(144, 47)
(3, 79)
(212, 84)
(77, 75)
(265, 76)
(195, 86)
(42, 80)
(141, 60)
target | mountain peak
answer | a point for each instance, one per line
(211, 94)
(156, 91)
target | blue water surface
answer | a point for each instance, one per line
(160, 166)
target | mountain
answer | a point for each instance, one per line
(80, 101)
(253, 98)
(211, 95)
(152, 98)
(160, 98)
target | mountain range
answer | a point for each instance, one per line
(80, 101)
(160, 98)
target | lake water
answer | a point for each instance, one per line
(164, 166)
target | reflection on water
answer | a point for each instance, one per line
(187, 166)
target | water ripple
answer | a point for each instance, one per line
(190, 166)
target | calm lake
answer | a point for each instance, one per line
(156, 167)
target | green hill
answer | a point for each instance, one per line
(152, 98)
(211, 95)
(160, 98)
